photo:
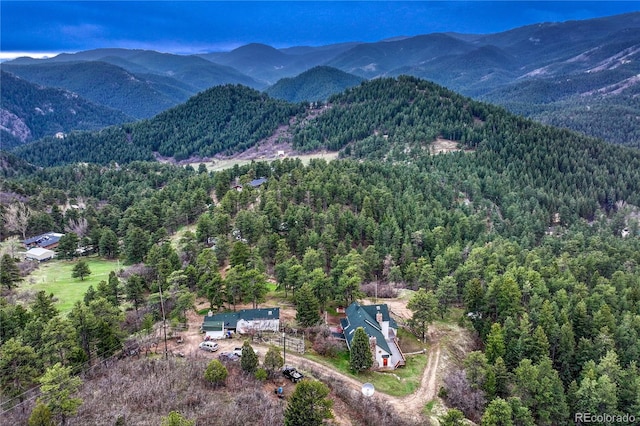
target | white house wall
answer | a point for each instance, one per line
(262, 325)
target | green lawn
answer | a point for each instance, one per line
(55, 277)
(400, 382)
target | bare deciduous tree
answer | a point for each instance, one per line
(78, 227)
(10, 246)
(17, 217)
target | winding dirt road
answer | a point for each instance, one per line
(409, 407)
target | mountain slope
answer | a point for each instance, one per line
(223, 119)
(193, 71)
(140, 83)
(31, 112)
(370, 60)
(316, 84)
(398, 121)
(391, 120)
(99, 82)
(501, 68)
(269, 65)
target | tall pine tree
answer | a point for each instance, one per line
(361, 357)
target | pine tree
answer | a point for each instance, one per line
(308, 404)
(57, 386)
(498, 413)
(9, 272)
(273, 360)
(176, 419)
(361, 358)
(424, 305)
(308, 311)
(249, 361)
(495, 347)
(216, 373)
(41, 416)
(81, 270)
(453, 417)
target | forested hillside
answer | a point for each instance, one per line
(31, 112)
(117, 88)
(316, 84)
(564, 306)
(224, 119)
(581, 75)
(532, 231)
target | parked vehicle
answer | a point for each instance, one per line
(209, 346)
(292, 374)
(228, 356)
(238, 351)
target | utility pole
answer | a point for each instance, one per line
(164, 323)
(284, 347)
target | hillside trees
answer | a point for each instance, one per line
(424, 305)
(57, 387)
(476, 226)
(307, 307)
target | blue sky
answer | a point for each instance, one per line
(50, 27)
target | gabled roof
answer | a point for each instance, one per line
(230, 319)
(257, 182)
(38, 251)
(213, 326)
(254, 314)
(357, 316)
(372, 310)
(43, 240)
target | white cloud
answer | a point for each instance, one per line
(7, 56)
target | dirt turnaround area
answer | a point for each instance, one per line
(445, 343)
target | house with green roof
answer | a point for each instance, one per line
(381, 329)
(244, 321)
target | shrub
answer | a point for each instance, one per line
(216, 373)
(261, 374)
(328, 346)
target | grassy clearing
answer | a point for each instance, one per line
(401, 382)
(55, 277)
(218, 165)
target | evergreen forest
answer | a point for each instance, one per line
(533, 232)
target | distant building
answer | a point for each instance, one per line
(254, 184)
(257, 182)
(39, 254)
(49, 241)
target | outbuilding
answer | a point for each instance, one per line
(40, 254)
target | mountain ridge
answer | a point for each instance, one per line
(488, 67)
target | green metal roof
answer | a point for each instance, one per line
(358, 316)
(230, 319)
(213, 326)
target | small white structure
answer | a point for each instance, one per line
(40, 254)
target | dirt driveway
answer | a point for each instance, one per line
(440, 339)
